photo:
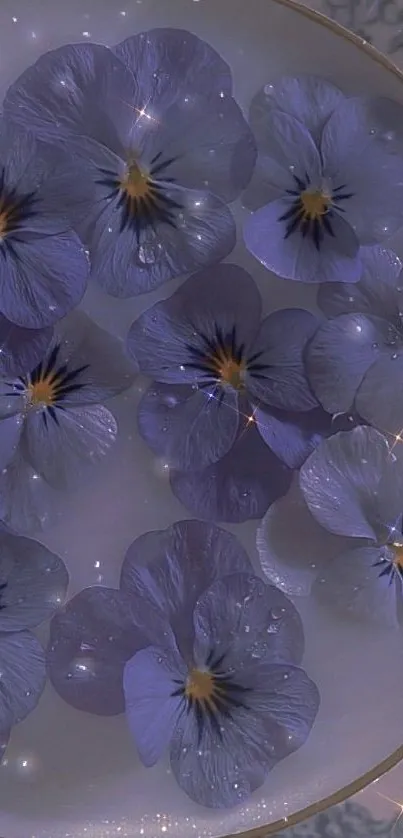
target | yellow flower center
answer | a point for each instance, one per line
(136, 182)
(199, 685)
(314, 204)
(5, 213)
(398, 555)
(43, 392)
(231, 372)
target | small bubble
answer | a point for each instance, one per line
(375, 345)
(394, 356)
(149, 252)
(268, 89)
(276, 613)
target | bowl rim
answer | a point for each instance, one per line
(394, 758)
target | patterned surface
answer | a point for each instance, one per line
(349, 820)
(380, 22)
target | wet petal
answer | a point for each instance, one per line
(23, 676)
(352, 583)
(309, 99)
(202, 233)
(292, 436)
(240, 619)
(380, 396)
(171, 568)
(209, 142)
(238, 487)
(151, 679)
(353, 156)
(10, 434)
(352, 485)
(210, 302)
(222, 772)
(75, 89)
(189, 429)
(292, 546)
(340, 354)
(21, 349)
(27, 503)
(106, 368)
(172, 63)
(91, 640)
(60, 444)
(277, 376)
(42, 277)
(296, 257)
(33, 583)
(376, 293)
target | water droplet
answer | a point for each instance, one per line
(276, 613)
(394, 356)
(388, 136)
(149, 252)
(372, 131)
(375, 345)
(268, 89)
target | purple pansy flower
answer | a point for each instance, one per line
(229, 700)
(338, 533)
(208, 341)
(43, 266)
(33, 584)
(327, 180)
(100, 629)
(355, 360)
(52, 417)
(157, 151)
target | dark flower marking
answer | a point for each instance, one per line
(142, 195)
(313, 209)
(223, 360)
(3, 587)
(210, 693)
(15, 209)
(48, 385)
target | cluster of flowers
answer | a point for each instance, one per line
(119, 165)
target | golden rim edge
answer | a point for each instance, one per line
(397, 756)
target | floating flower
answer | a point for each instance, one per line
(43, 266)
(355, 360)
(256, 469)
(338, 534)
(157, 151)
(327, 181)
(233, 705)
(54, 414)
(100, 629)
(208, 339)
(33, 584)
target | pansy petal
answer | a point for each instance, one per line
(21, 349)
(75, 89)
(292, 436)
(201, 233)
(289, 143)
(296, 257)
(172, 63)
(33, 583)
(210, 303)
(10, 434)
(23, 676)
(352, 485)
(339, 355)
(376, 293)
(379, 399)
(59, 444)
(91, 640)
(106, 370)
(209, 143)
(171, 568)
(150, 682)
(353, 156)
(292, 546)
(309, 99)
(222, 772)
(42, 278)
(238, 487)
(353, 584)
(277, 375)
(189, 429)
(27, 502)
(240, 617)
(266, 183)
